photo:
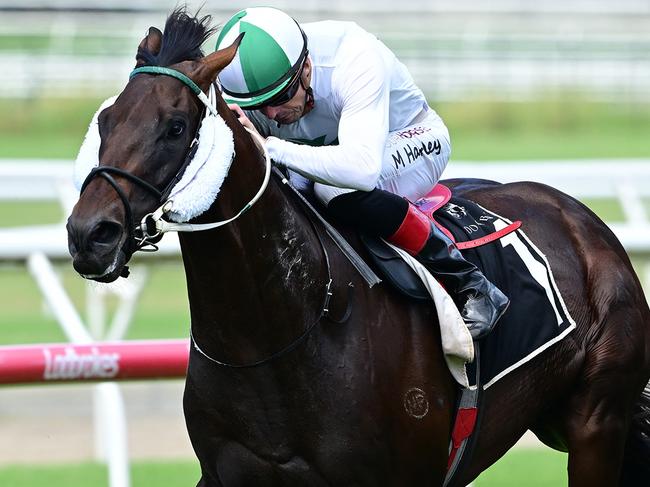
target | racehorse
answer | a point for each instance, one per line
(323, 401)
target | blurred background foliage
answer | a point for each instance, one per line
(560, 126)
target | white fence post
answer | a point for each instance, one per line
(107, 398)
(111, 432)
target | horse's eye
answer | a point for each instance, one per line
(177, 128)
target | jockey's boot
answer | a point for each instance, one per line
(482, 302)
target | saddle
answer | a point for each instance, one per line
(510, 266)
(393, 268)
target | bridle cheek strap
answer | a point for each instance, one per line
(164, 226)
(154, 224)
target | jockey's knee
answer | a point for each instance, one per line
(376, 212)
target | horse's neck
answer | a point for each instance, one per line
(254, 284)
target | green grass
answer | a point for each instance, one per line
(55, 476)
(47, 128)
(529, 468)
(162, 311)
(76, 45)
(558, 127)
(143, 474)
(25, 213)
(526, 468)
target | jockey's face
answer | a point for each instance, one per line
(296, 107)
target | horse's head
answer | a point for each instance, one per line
(146, 136)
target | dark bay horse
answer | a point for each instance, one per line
(331, 411)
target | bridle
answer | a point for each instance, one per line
(133, 241)
(152, 226)
(144, 236)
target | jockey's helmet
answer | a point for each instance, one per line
(269, 60)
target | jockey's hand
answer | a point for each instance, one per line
(241, 116)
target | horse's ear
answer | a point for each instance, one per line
(212, 64)
(151, 42)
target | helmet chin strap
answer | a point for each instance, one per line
(309, 96)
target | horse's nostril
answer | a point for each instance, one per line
(105, 232)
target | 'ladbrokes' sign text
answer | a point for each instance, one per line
(74, 365)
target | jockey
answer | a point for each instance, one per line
(338, 109)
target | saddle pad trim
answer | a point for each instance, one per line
(470, 244)
(528, 357)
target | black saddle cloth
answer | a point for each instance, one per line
(537, 316)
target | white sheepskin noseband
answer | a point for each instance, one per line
(202, 179)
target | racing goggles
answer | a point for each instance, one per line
(284, 96)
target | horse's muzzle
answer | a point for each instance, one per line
(95, 247)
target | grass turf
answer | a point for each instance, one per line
(162, 311)
(558, 127)
(143, 474)
(525, 467)
(555, 128)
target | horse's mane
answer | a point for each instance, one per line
(182, 39)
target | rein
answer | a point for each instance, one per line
(324, 313)
(163, 226)
(133, 242)
(155, 220)
(152, 225)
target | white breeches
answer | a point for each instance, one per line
(414, 159)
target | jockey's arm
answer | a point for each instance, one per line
(363, 89)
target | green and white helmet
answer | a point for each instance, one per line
(269, 57)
